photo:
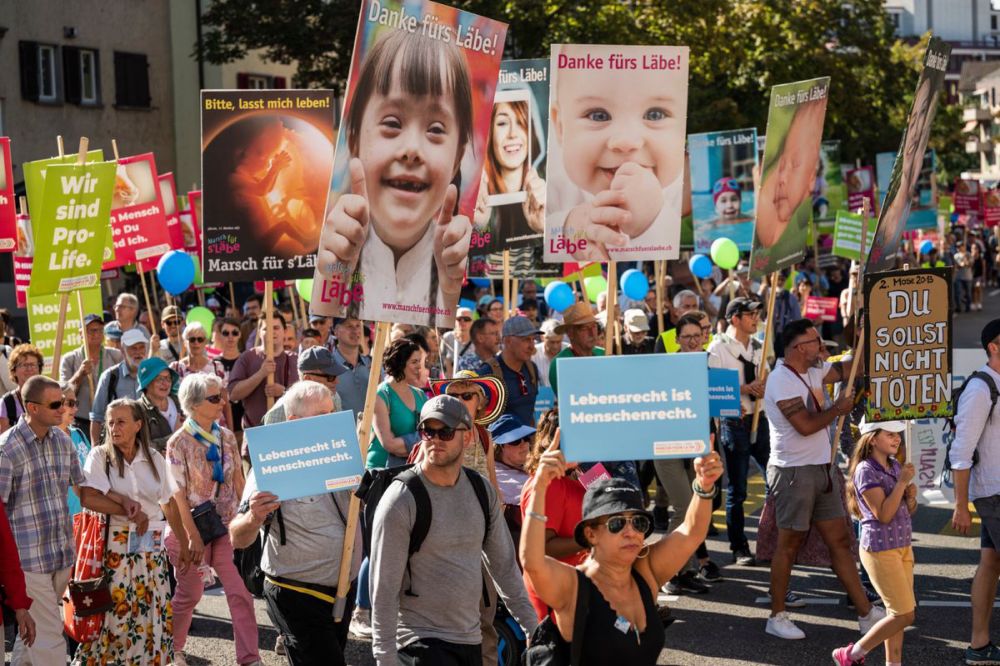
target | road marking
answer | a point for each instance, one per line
(810, 601)
(992, 293)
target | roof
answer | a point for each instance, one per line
(974, 70)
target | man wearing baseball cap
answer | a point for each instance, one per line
(513, 365)
(118, 381)
(171, 349)
(425, 606)
(316, 364)
(454, 341)
(637, 340)
(83, 367)
(975, 461)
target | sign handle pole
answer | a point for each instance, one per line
(610, 306)
(659, 274)
(295, 306)
(305, 311)
(515, 286)
(819, 285)
(156, 296)
(364, 436)
(768, 341)
(60, 329)
(83, 336)
(149, 305)
(268, 343)
(60, 145)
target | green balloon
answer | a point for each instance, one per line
(305, 288)
(725, 253)
(595, 285)
(203, 316)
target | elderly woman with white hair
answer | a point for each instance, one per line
(197, 360)
(205, 463)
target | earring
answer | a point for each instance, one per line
(644, 552)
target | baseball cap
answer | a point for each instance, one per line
(113, 330)
(990, 332)
(891, 426)
(740, 305)
(520, 327)
(463, 312)
(171, 312)
(607, 497)
(317, 317)
(636, 320)
(133, 336)
(320, 360)
(509, 429)
(91, 318)
(549, 327)
(448, 410)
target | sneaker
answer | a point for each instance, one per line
(709, 572)
(842, 656)
(984, 656)
(874, 615)
(687, 583)
(743, 558)
(361, 623)
(279, 645)
(792, 600)
(181, 660)
(666, 617)
(781, 625)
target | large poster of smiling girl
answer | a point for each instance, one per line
(788, 174)
(396, 236)
(722, 196)
(618, 118)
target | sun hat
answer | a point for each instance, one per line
(509, 429)
(577, 314)
(151, 368)
(493, 390)
(448, 410)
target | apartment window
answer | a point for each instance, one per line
(896, 18)
(40, 72)
(88, 77)
(248, 81)
(994, 19)
(132, 80)
(82, 76)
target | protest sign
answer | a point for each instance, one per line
(923, 209)
(412, 263)
(23, 260)
(8, 208)
(788, 174)
(191, 227)
(829, 192)
(967, 198)
(722, 194)
(847, 235)
(71, 228)
(908, 329)
(43, 321)
(266, 159)
(304, 457)
(860, 188)
(544, 401)
(634, 407)
(138, 225)
(821, 308)
(525, 263)
(910, 159)
(724, 393)
(168, 195)
(991, 208)
(599, 92)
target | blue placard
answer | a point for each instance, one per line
(724, 393)
(308, 456)
(544, 401)
(634, 407)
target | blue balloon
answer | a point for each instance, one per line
(700, 266)
(559, 296)
(634, 284)
(926, 247)
(175, 272)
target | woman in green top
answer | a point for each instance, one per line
(397, 409)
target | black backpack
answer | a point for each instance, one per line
(373, 486)
(547, 646)
(950, 428)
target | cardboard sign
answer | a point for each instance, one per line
(829, 193)
(821, 308)
(138, 224)
(71, 229)
(991, 208)
(308, 456)
(8, 206)
(967, 197)
(724, 393)
(544, 401)
(267, 156)
(168, 194)
(910, 159)
(847, 235)
(634, 407)
(861, 188)
(788, 174)
(908, 333)
(722, 192)
(23, 260)
(411, 265)
(43, 321)
(600, 92)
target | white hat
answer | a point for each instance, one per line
(549, 327)
(133, 336)
(636, 320)
(890, 426)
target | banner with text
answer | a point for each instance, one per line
(861, 188)
(724, 393)
(138, 224)
(43, 321)
(821, 308)
(967, 198)
(8, 205)
(24, 258)
(847, 235)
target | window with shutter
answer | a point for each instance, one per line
(131, 80)
(47, 73)
(28, 52)
(71, 74)
(90, 91)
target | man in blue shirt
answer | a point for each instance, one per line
(514, 366)
(353, 384)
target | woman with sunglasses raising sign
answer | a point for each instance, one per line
(205, 463)
(622, 573)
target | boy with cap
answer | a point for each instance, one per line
(83, 367)
(975, 461)
(425, 606)
(316, 364)
(513, 365)
(171, 349)
(118, 381)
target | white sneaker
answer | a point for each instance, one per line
(179, 659)
(279, 645)
(781, 625)
(866, 623)
(361, 623)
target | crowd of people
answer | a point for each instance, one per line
(145, 427)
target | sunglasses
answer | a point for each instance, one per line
(518, 442)
(229, 334)
(320, 375)
(214, 399)
(172, 322)
(465, 397)
(70, 403)
(616, 524)
(51, 405)
(197, 340)
(444, 434)
(463, 318)
(729, 183)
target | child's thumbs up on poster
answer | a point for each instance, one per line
(346, 226)
(452, 237)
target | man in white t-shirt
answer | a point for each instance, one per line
(799, 472)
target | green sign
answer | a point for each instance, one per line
(43, 319)
(71, 232)
(847, 235)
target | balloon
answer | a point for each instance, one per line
(700, 265)
(175, 271)
(725, 254)
(305, 288)
(595, 285)
(634, 284)
(203, 316)
(926, 247)
(559, 296)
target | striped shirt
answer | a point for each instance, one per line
(35, 475)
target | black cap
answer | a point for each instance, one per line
(607, 497)
(990, 332)
(740, 305)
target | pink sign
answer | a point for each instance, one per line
(861, 187)
(23, 259)
(8, 212)
(821, 308)
(138, 225)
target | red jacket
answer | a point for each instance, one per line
(11, 576)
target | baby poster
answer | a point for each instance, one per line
(8, 210)
(398, 227)
(788, 175)
(138, 225)
(861, 188)
(906, 170)
(618, 118)
(266, 161)
(722, 195)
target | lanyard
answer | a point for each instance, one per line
(809, 390)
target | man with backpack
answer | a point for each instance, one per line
(118, 381)
(425, 598)
(974, 457)
(514, 367)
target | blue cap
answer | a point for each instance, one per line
(520, 327)
(150, 370)
(112, 330)
(320, 360)
(508, 429)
